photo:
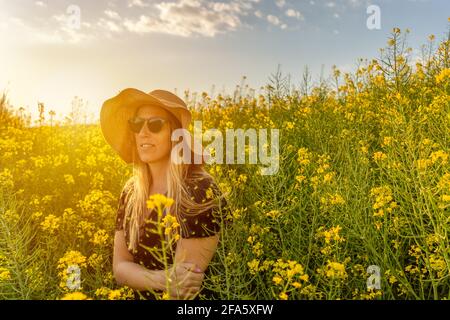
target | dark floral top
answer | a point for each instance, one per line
(205, 224)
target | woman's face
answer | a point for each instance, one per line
(153, 147)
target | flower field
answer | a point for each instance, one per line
(363, 184)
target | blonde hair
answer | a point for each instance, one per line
(178, 177)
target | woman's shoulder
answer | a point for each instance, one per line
(202, 186)
(203, 190)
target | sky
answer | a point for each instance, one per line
(53, 51)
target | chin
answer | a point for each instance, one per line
(150, 158)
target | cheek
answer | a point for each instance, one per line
(165, 142)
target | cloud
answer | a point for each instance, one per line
(259, 14)
(294, 14)
(40, 4)
(69, 30)
(356, 3)
(110, 25)
(185, 18)
(274, 20)
(343, 4)
(192, 17)
(112, 15)
(137, 3)
(280, 3)
(59, 34)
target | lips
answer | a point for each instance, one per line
(146, 145)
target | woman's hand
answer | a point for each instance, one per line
(185, 280)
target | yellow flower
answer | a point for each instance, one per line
(5, 274)
(283, 296)
(70, 258)
(300, 178)
(304, 277)
(100, 238)
(69, 179)
(383, 200)
(371, 294)
(236, 214)
(438, 264)
(102, 292)
(273, 214)
(95, 260)
(303, 156)
(257, 249)
(85, 229)
(253, 266)
(331, 235)
(443, 75)
(50, 223)
(166, 296)
(392, 279)
(289, 125)
(170, 223)
(336, 199)
(75, 296)
(328, 177)
(423, 164)
(159, 201)
(36, 215)
(335, 270)
(114, 295)
(332, 199)
(277, 280)
(444, 182)
(379, 156)
(439, 155)
(242, 179)
(287, 272)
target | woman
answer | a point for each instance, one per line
(139, 127)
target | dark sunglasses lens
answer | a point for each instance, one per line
(136, 125)
(155, 126)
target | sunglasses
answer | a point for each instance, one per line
(155, 125)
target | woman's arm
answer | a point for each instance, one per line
(131, 274)
(182, 276)
(197, 251)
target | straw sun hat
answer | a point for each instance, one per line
(116, 111)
